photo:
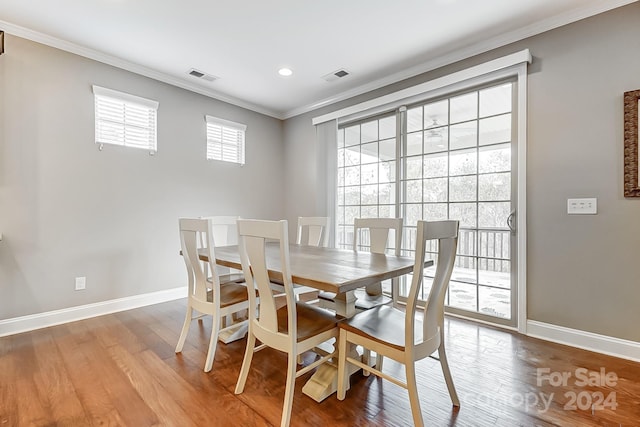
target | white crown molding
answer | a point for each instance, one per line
(585, 340)
(105, 58)
(440, 61)
(506, 66)
(461, 54)
(51, 318)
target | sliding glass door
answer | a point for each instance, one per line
(448, 158)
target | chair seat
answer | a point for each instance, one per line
(311, 321)
(230, 293)
(364, 301)
(383, 324)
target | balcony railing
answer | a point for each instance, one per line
(490, 248)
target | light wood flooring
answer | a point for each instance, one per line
(121, 370)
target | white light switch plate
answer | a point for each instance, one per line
(582, 206)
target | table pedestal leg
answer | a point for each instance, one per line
(234, 332)
(345, 304)
(324, 381)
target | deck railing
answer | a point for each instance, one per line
(492, 247)
(489, 248)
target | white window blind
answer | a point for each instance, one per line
(124, 119)
(225, 140)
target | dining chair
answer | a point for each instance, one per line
(313, 231)
(398, 334)
(293, 328)
(378, 232)
(205, 294)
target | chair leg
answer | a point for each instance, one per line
(213, 341)
(289, 390)
(395, 292)
(379, 360)
(225, 321)
(412, 387)
(246, 363)
(185, 329)
(342, 365)
(447, 374)
(366, 357)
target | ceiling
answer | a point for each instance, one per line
(243, 43)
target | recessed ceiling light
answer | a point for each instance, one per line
(285, 72)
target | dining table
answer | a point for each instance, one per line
(334, 270)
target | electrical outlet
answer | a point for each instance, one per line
(81, 283)
(582, 206)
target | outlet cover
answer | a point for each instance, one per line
(81, 283)
(582, 206)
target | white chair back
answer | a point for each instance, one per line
(446, 233)
(313, 231)
(193, 234)
(225, 230)
(253, 237)
(379, 230)
(225, 233)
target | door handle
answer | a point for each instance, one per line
(510, 221)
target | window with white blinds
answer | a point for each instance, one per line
(125, 119)
(225, 140)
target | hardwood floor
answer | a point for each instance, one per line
(121, 370)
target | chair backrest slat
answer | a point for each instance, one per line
(379, 229)
(446, 233)
(313, 231)
(225, 230)
(225, 233)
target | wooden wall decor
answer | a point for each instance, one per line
(631, 158)
(1, 42)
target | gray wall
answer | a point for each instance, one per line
(583, 271)
(67, 209)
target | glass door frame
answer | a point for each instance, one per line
(401, 133)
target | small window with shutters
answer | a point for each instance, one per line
(124, 119)
(225, 140)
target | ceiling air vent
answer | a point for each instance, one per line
(336, 75)
(204, 76)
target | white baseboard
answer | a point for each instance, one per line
(604, 344)
(31, 322)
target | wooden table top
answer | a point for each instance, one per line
(327, 269)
